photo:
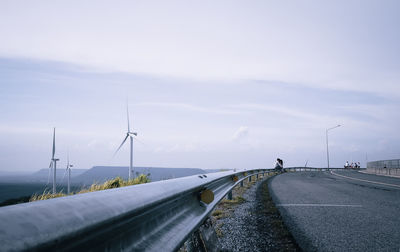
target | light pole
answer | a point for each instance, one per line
(327, 147)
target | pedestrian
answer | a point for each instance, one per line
(278, 164)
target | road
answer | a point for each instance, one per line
(342, 211)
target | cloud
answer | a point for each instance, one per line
(313, 78)
(241, 133)
(277, 109)
(189, 107)
(178, 148)
(178, 42)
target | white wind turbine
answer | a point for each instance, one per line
(129, 134)
(69, 166)
(53, 162)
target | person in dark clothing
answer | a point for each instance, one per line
(279, 164)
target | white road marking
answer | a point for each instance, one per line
(363, 180)
(316, 205)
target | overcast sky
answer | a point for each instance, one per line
(210, 84)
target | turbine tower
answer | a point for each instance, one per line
(53, 162)
(69, 173)
(131, 135)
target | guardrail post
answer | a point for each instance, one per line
(194, 242)
(230, 195)
(203, 239)
(250, 178)
(257, 176)
(241, 183)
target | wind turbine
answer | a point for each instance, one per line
(53, 162)
(129, 134)
(69, 172)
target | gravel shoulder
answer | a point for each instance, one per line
(250, 222)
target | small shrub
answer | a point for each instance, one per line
(240, 199)
(218, 214)
(46, 195)
(236, 200)
(218, 230)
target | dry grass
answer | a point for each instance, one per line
(218, 230)
(236, 200)
(109, 184)
(115, 183)
(218, 214)
(46, 195)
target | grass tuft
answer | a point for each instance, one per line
(46, 195)
(218, 214)
(236, 200)
(218, 230)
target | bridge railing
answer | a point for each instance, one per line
(157, 216)
(385, 167)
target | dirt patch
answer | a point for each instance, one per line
(272, 223)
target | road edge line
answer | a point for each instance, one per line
(363, 180)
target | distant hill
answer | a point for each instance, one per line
(216, 170)
(43, 175)
(102, 173)
(14, 173)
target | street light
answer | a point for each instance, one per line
(327, 148)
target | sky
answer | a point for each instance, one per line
(209, 84)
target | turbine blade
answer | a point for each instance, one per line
(63, 176)
(67, 160)
(127, 116)
(139, 140)
(54, 143)
(50, 167)
(127, 135)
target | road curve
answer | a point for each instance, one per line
(340, 211)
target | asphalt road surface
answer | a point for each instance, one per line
(342, 211)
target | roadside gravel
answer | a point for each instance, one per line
(253, 224)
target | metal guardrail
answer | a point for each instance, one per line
(158, 216)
